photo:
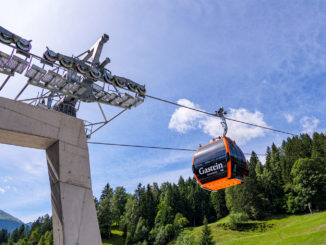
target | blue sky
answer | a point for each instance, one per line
(264, 61)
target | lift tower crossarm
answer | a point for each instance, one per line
(95, 51)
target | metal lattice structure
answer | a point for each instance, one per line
(71, 79)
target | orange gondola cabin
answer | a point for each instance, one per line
(219, 164)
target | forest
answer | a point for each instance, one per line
(292, 181)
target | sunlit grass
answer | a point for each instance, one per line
(283, 229)
(293, 229)
(116, 238)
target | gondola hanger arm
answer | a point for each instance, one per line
(220, 113)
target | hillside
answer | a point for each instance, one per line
(290, 229)
(9, 222)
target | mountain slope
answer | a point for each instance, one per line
(9, 222)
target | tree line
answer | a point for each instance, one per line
(292, 180)
(38, 233)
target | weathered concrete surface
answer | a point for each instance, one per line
(63, 138)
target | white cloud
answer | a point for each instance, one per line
(184, 119)
(2, 190)
(309, 124)
(239, 132)
(289, 118)
(5, 179)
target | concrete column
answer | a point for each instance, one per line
(73, 209)
(63, 138)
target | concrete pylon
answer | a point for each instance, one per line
(63, 137)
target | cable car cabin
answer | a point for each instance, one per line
(219, 164)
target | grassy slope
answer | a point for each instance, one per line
(294, 229)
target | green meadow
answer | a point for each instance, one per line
(286, 229)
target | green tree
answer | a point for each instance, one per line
(41, 241)
(119, 200)
(236, 197)
(318, 145)
(15, 235)
(107, 192)
(169, 231)
(35, 236)
(130, 218)
(180, 222)
(252, 186)
(46, 224)
(148, 205)
(141, 230)
(23, 241)
(4, 235)
(11, 242)
(272, 182)
(97, 204)
(164, 215)
(206, 237)
(105, 217)
(185, 239)
(236, 218)
(308, 185)
(48, 238)
(217, 200)
(161, 236)
(198, 203)
(21, 231)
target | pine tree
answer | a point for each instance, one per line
(119, 200)
(130, 217)
(15, 235)
(35, 236)
(161, 236)
(317, 145)
(41, 241)
(206, 237)
(252, 187)
(105, 217)
(141, 230)
(4, 235)
(217, 199)
(24, 241)
(148, 206)
(107, 192)
(97, 204)
(46, 224)
(48, 238)
(164, 215)
(21, 231)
